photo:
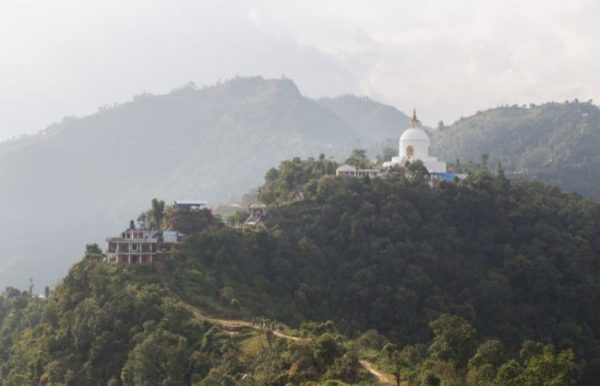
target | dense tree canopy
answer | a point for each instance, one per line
(486, 281)
(517, 260)
(554, 142)
(106, 325)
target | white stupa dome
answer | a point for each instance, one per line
(414, 145)
(414, 134)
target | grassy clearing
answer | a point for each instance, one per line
(252, 343)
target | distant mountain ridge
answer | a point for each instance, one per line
(367, 117)
(79, 180)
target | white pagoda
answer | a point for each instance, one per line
(414, 145)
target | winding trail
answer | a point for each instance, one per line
(381, 377)
(233, 324)
(290, 337)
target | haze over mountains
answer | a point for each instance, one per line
(82, 179)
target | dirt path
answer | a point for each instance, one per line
(381, 377)
(235, 324)
(227, 323)
(290, 337)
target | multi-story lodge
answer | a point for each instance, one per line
(137, 245)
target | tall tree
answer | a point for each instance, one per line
(359, 159)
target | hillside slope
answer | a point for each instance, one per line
(371, 119)
(520, 261)
(555, 142)
(484, 281)
(82, 179)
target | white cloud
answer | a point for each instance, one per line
(452, 58)
(447, 58)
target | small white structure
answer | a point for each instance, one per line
(172, 237)
(351, 171)
(190, 205)
(345, 170)
(414, 145)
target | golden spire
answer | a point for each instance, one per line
(414, 122)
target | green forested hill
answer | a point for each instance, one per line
(556, 143)
(518, 260)
(105, 326)
(211, 143)
(482, 282)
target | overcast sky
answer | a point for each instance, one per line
(446, 58)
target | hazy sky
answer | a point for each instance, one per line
(447, 58)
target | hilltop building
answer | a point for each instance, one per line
(414, 145)
(188, 216)
(351, 171)
(139, 245)
(189, 206)
(136, 245)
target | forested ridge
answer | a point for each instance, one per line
(518, 260)
(556, 143)
(487, 281)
